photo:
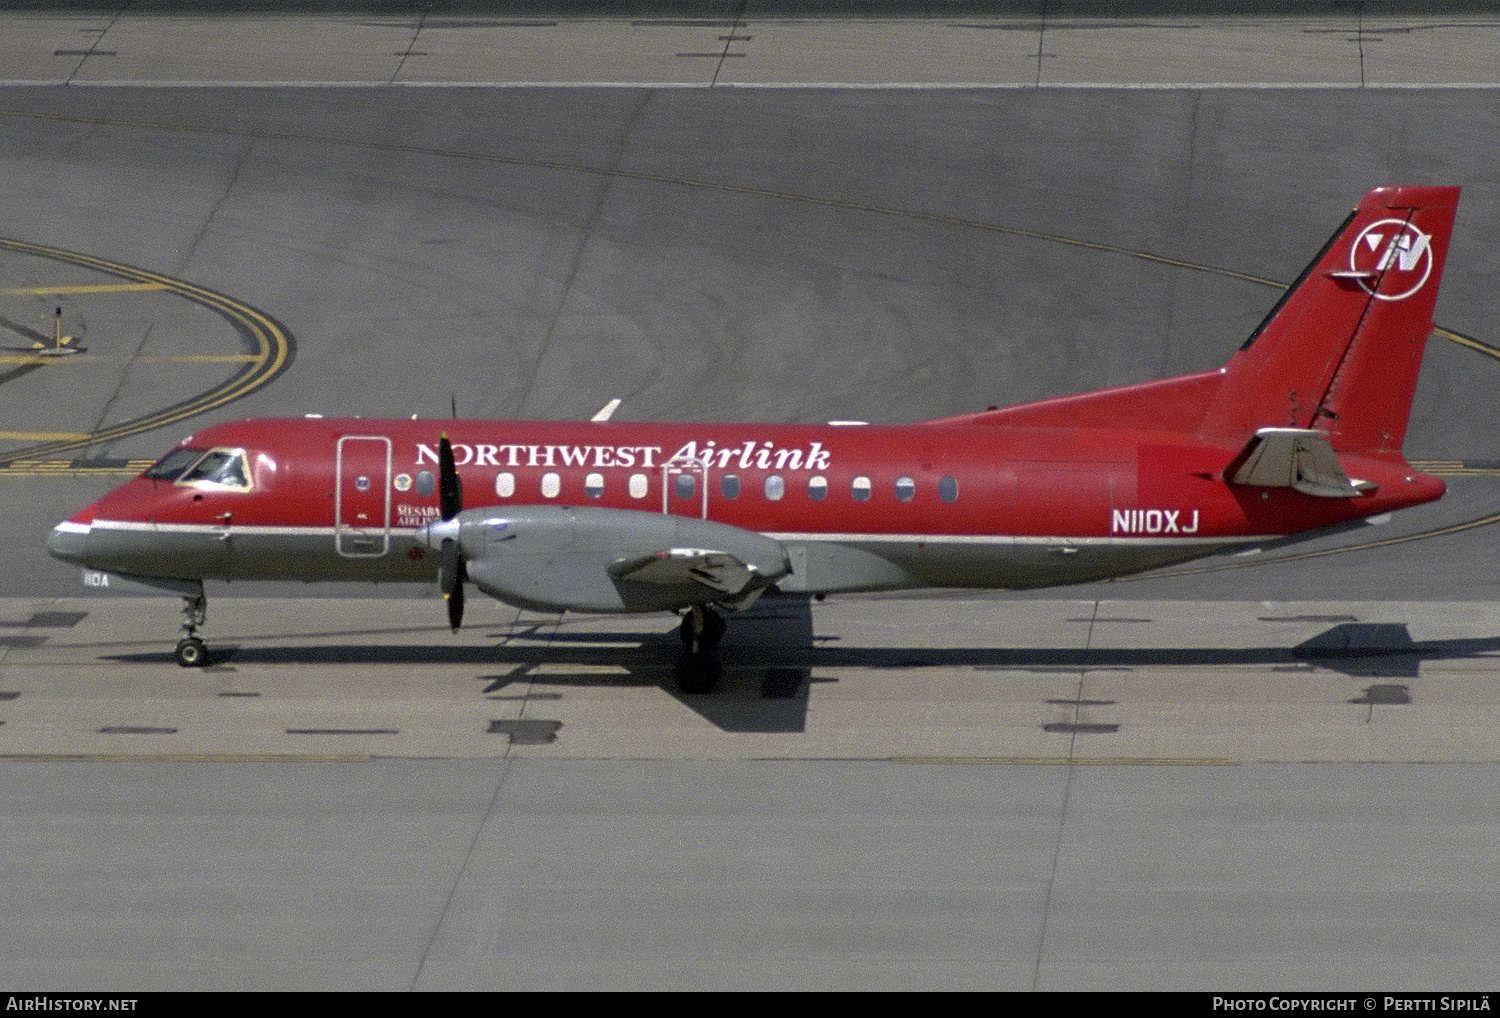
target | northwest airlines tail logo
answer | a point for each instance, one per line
(1393, 255)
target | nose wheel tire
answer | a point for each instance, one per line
(191, 653)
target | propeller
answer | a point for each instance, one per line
(452, 573)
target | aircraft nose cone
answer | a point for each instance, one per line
(68, 541)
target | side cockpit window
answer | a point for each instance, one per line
(171, 466)
(219, 468)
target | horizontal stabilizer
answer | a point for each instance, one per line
(1297, 458)
(717, 570)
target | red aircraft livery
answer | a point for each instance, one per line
(1301, 431)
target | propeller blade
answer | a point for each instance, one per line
(451, 574)
(451, 577)
(450, 486)
(456, 602)
(448, 567)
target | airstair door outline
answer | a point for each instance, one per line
(362, 496)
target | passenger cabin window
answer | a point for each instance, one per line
(775, 487)
(860, 489)
(817, 487)
(219, 468)
(426, 483)
(948, 489)
(639, 486)
(683, 484)
(729, 485)
(593, 485)
(171, 466)
(505, 484)
(551, 485)
(906, 489)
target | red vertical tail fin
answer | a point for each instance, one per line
(1341, 351)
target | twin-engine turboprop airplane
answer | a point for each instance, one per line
(1300, 432)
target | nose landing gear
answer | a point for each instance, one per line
(192, 652)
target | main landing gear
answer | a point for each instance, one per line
(192, 652)
(698, 670)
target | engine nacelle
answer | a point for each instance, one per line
(551, 558)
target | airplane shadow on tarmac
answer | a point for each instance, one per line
(771, 657)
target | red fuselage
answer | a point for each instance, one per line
(878, 507)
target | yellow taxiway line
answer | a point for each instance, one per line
(86, 288)
(187, 358)
(270, 351)
(40, 436)
(67, 468)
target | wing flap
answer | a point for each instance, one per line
(1296, 458)
(719, 571)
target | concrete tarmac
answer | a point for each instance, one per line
(735, 43)
(767, 875)
(946, 678)
(1275, 774)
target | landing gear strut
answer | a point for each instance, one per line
(702, 629)
(192, 652)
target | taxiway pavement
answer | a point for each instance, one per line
(532, 804)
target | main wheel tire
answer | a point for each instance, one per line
(713, 631)
(191, 653)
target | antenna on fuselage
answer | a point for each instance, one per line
(607, 410)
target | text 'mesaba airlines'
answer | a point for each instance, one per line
(1300, 431)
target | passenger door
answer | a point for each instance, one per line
(362, 499)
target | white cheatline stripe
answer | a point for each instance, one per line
(841, 538)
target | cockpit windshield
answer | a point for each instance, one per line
(171, 466)
(219, 467)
